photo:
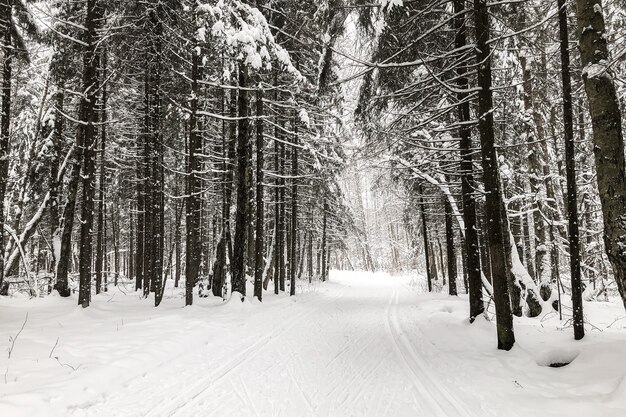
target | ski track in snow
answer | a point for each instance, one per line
(194, 394)
(441, 402)
(361, 346)
(341, 371)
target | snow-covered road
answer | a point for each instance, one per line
(343, 352)
(361, 345)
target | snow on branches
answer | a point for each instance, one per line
(244, 31)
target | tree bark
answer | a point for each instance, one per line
(101, 184)
(429, 278)
(570, 162)
(472, 248)
(192, 206)
(259, 261)
(450, 250)
(324, 242)
(495, 230)
(293, 262)
(5, 119)
(241, 217)
(608, 138)
(88, 118)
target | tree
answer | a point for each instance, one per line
(467, 179)
(259, 261)
(608, 137)
(491, 177)
(193, 215)
(93, 15)
(570, 161)
(243, 186)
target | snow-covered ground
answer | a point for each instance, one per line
(360, 345)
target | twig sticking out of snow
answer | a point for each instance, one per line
(67, 364)
(14, 339)
(615, 321)
(53, 347)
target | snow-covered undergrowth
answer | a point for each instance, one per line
(361, 345)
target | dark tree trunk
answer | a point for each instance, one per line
(131, 242)
(154, 214)
(65, 254)
(228, 151)
(140, 174)
(429, 277)
(324, 241)
(101, 184)
(570, 162)
(241, 217)
(309, 264)
(259, 262)
(100, 222)
(450, 250)
(608, 137)
(55, 178)
(193, 248)
(115, 235)
(5, 120)
(293, 261)
(472, 248)
(495, 229)
(278, 233)
(88, 118)
(177, 245)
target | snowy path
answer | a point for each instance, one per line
(362, 345)
(344, 353)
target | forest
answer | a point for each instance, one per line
(286, 164)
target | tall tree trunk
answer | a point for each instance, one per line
(5, 119)
(88, 118)
(324, 241)
(282, 267)
(429, 278)
(535, 180)
(450, 249)
(570, 161)
(293, 262)
(154, 192)
(55, 178)
(131, 242)
(193, 210)
(223, 250)
(101, 195)
(178, 244)
(309, 264)
(608, 138)
(472, 248)
(140, 178)
(259, 262)
(495, 229)
(241, 217)
(278, 233)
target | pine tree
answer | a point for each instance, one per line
(608, 137)
(491, 177)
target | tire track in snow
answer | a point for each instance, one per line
(440, 401)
